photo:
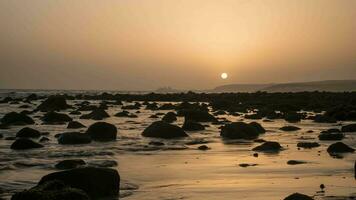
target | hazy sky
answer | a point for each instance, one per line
(186, 44)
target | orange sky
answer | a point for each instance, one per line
(187, 44)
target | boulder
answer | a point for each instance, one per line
(55, 118)
(268, 147)
(14, 118)
(51, 190)
(75, 125)
(239, 130)
(169, 117)
(97, 114)
(160, 129)
(289, 128)
(203, 147)
(102, 131)
(53, 103)
(70, 164)
(349, 128)
(298, 196)
(192, 126)
(339, 147)
(28, 133)
(258, 127)
(324, 119)
(295, 162)
(331, 136)
(197, 115)
(74, 138)
(96, 182)
(24, 143)
(308, 145)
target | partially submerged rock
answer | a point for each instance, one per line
(349, 128)
(56, 118)
(96, 182)
(331, 136)
(241, 130)
(298, 196)
(197, 115)
(169, 117)
(289, 128)
(51, 190)
(28, 133)
(24, 143)
(14, 118)
(53, 103)
(295, 162)
(102, 131)
(160, 129)
(70, 164)
(339, 147)
(74, 138)
(268, 147)
(192, 126)
(308, 145)
(75, 125)
(97, 114)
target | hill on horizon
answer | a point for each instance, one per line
(327, 85)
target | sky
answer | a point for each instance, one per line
(184, 44)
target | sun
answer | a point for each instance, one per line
(224, 75)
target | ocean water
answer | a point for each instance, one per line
(178, 170)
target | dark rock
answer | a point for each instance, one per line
(308, 145)
(331, 136)
(197, 115)
(289, 128)
(23, 143)
(247, 165)
(169, 117)
(239, 130)
(293, 117)
(295, 162)
(298, 196)
(74, 138)
(324, 119)
(70, 164)
(53, 103)
(97, 114)
(51, 190)
(102, 131)
(103, 163)
(28, 133)
(14, 118)
(96, 182)
(253, 116)
(44, 139)
(165, 130)
(55, 118)
(192, 126)
(75, 125)
(75, 112)
(258, 127)
(339, 147)
(154, 143)
(203, 147)
(268, 147)
(349, 128)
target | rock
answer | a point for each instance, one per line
(295, 162)
(123, 113)
(268, 147)
(253, 116)
(74, 138)
(53, 103)
(97, 114)
(239, 130)
(51, 190)
(349, 128)
(192, 126)
(55, 118)
(169, 117)
(28, 133)
(298, 196)
(103, 163)
(331, 136)
(160, 129)
(96, 182)
(324, 119)
(247, 165)
(75, 112)
(154, 143)
(197, 115)
(75, 125)
(308, 145)
(203, 147)
(258, 127)
(293, 117)
(70, 164)
(44, 139)
(339, 147)
(23, 143)
(289, 128)
(14, 118)
(102, 131)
